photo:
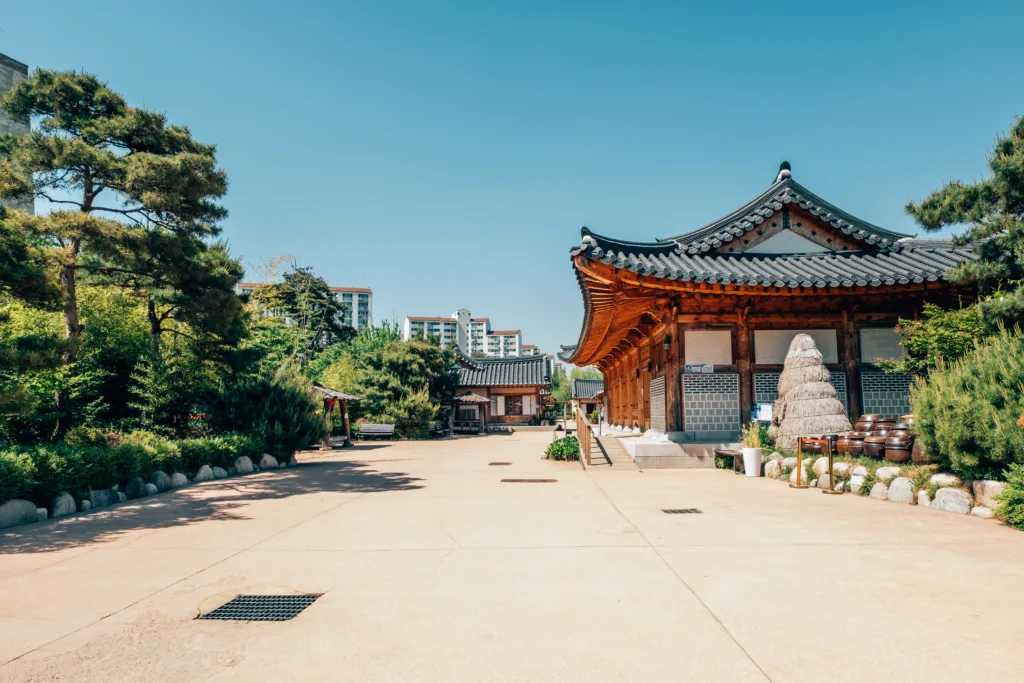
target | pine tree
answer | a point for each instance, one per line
(116, 174)
(993, 210)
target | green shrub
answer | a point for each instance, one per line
(17, 475)
(86, 436)
(566, 448)
(411, 415)
(966, 412)
(159, 452)
(280, 411)
(1011, 499)
(218, 451)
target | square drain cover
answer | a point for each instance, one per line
(530, 481)
(262, 608)
(682, 511)
(492, 464)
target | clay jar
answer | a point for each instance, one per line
(897, 449)
(902, 430)
(874, 446)
(866, 422)
(855, 441)
(918, 454)
(909, 419)
(843, 445)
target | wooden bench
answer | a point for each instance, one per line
(376, 430)
(468, 426)
(439, 430)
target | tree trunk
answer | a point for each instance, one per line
(72, 332)
(155, 328)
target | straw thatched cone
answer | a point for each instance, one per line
(808, 404)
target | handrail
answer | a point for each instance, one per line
(583, 436)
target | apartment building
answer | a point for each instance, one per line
(358, 302)
(473, 336)
(11, 73)
(530, 350)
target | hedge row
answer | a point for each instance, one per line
(91, 459)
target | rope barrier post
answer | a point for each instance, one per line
(799, 465)
(832, 440)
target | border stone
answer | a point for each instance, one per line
(205, 473)
(161, 481)
(64, 505)
(17, 512)
(103, 497)
(178, 480)
(268, 461)
(219, 473)
(985, 492)
(943, 479)
(243, 465)
(151, 489)
(923, 500)
(135, 488)
(901, 490)
(981, 511)
(879, 491)
(884, 474)
(952, 500)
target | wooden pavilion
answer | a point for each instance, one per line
(691, 331)
(332, 397)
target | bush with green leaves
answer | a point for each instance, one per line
(566, 448)
(1011, 499)
(966, 412)
(17, 475)
(279, 410)
(411, 415)
(218, 451)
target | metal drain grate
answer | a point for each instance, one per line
(262, 608)
(529, 481)
(682, 511)
(493, 464)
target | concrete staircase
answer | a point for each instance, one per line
(605, 451)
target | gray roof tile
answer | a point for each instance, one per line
(519, 371)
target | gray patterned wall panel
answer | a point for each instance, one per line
(885, 393)
(766, 387)
(658, 403)
(711, 403)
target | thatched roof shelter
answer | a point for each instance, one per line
(808, 404)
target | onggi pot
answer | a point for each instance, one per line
(752, 462)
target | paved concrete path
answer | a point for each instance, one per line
(432, 569)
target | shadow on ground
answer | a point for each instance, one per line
(224, 499)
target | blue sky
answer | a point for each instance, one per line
(447, 153)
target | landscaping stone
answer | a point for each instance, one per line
(17, 511)
(861, 470)
(856, 481)
(122, 497)
(772, 469)
(102, 497)
(985, 491)
(901, 490)
(232, 471)
(923, 500)
(219, 473)
(151, 489)
(840, 468)
(64, 505)
(268, 461)
(161, 481)
(884, 474)
(136, 488)
(792, 476)
(41, 514)
(243, 465)
(952, 500)
(86, 505)
(814, 483)
(880, 491)
(820, 466)
(205, 473)
(282, 465)
(977, 511)
(824, 481)
(292, 462)
(178, 480)
(943, 479)
(789, 463)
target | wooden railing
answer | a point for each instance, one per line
(583, 436)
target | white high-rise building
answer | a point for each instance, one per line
(358, 302)
(473, 336)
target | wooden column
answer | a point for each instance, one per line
(325, 443)
(673, 381)
(681, 363)
(743, 363)
(348, 430)
(850, 359)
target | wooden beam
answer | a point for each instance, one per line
(744, 345)
(850, 358)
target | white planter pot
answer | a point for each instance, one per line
(752, 462)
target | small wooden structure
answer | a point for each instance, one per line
(691, 331)
(469, 413)
(587, 395)
(515, 388)
(330, 398)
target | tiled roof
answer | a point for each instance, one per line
(784, 191)
(912, 261)
(519, 371)
(497, 333)
(587, 388)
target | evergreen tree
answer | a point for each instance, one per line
(306, 302)
(993, 210)
(116, 174)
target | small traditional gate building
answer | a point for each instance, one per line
(691, 331)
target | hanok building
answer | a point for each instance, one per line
(691, 331)
(587, 394)
(516, 388)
